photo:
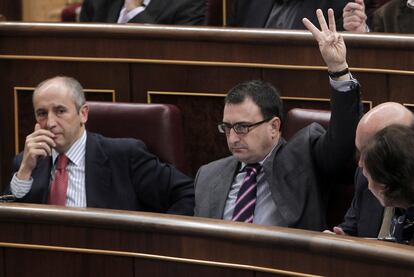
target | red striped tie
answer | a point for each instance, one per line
(246, 197)
(57, 194)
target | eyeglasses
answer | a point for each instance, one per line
(239, 128)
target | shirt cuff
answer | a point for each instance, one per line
(20, 188)
(343, 86)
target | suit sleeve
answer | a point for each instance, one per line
(334, 150)
(17, 160)
(338, 7)
(233, 19)
(378, 21)
(350, 224)
(160, 187)
(86, 14)
(192, 12)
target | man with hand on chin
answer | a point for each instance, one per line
(63, 164)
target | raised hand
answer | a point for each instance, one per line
(38, 144)
(355, 17)
(331, 43)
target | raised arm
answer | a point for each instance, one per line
(333, 151)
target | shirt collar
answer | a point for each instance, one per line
(243, 165)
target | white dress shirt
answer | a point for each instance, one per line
(125, 16)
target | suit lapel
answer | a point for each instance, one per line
(221, 187)
(404, 18)
(114, 9)
(97, 174)
(282, 194)
(303, 11)
(259, 13)
(151, 13)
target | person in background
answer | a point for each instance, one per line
(171, 12)
(371, 6)
(396, 16)
(281, 14)
(366, 216)
(388, 163)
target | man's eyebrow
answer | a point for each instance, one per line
(240, 122)
(59, 107)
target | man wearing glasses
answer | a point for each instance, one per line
(268, 180)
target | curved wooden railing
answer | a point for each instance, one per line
(167, 245)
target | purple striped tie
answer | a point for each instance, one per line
(246, 197)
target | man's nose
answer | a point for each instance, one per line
(51, 120)
(233, 136)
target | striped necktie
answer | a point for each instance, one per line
(246, 197)
(57, 194)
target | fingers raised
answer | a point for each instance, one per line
(312, 28)
(331, 18)
(321, 20)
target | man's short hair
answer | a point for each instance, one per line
(72, 85)
(263, 94)
(389, 158)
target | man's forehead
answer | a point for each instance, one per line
(245, 107)
(53, 86)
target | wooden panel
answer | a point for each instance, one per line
(88, 241)
(11, 9)
(2, 266)
(401, 88)
(43, 10)
(30, 263)
(161, 269)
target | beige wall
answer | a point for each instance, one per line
(44, 10)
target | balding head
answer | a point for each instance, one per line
(62, 83)
(380, 117)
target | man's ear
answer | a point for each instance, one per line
(83, 113)
(275, 124)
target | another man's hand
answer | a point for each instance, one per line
(336, 231)
(38, 144)
(132, 4)
(355, 17)
(331, 43)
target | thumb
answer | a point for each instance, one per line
(339, 231)
(37, 127)
(361, 2)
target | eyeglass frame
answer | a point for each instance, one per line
(223, 125)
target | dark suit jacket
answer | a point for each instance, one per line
(298, 172)
(121, 174)
(174, 12)
(364, 217)
(254, 13)
(394, 17)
